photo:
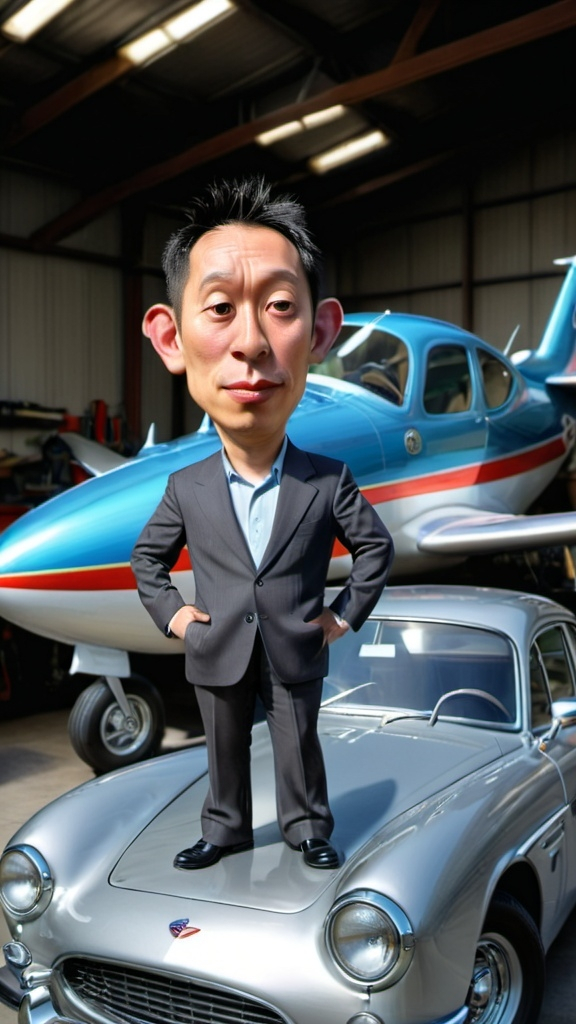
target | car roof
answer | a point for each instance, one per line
(508, 611)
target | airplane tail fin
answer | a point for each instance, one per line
(95, 458)
(555, 356)
(150, 438)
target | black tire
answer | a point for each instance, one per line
(507, 985)
(100, 734)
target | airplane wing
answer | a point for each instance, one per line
(563, 380)
(94, 457)
(470, 532)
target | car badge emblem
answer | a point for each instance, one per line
(180, 929)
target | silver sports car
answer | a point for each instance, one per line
(449, 734)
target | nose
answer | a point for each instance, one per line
(250, 342)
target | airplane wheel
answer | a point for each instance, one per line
(103, 737)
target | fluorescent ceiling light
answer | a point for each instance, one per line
(350, 150)
(31, 18)
(182, 27)
(320, 117)
(147, 46)
(283, 131)
(195, 18)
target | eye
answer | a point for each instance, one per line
(222, 308)
(282, 305)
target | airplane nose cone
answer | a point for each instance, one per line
(65, 566)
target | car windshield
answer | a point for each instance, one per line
(370, 357)
(410, 665)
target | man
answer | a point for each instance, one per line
(260, 517)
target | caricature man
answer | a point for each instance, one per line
(260, 516)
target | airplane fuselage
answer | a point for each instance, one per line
(448, 439)
(64, 567)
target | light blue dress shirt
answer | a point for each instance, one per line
(255, 504)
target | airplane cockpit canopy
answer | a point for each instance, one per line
(379, 361)
(370, 357)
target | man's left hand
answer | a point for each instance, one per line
(330, 626)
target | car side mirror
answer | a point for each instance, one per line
(563, 717)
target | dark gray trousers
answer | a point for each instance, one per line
(292, 716)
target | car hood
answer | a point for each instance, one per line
(375, 773)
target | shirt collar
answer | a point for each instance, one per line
(275, 472)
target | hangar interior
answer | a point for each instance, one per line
(457, 211)
(461, 201)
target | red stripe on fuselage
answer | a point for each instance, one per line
(120, 577)
(100, 577)
(469, 476)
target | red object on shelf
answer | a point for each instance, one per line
(9, 513)
(100, 416)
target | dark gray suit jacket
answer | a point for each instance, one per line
(318, 501)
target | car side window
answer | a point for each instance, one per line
(448, 387)
(540, 714)
(496, 379)
(551, 674)
(556, 661)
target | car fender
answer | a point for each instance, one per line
(489, 817)
(108, 812)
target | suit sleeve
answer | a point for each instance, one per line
(154, 555)
(360, 529)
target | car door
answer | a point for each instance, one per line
(553, 678)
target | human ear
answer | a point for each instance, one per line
(160, 326)
(327, 324)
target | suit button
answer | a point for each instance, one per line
(259, 583)
(249, 617)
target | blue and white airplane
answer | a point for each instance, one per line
(449, 439)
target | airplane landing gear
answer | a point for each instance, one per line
(117, 722)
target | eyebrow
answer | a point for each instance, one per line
(280, 274)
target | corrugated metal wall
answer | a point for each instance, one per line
(60, 319)
(481, 256)
(502, 233)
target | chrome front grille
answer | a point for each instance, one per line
(143, 997)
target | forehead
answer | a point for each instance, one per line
(230, 249)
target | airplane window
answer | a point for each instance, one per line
(448, 386)
(374, 359)
(496, 379)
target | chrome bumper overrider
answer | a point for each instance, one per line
(37, 1008)
(24, 988)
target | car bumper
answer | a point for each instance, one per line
(36, 1007)
(26, 990)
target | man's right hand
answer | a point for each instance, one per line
(183, 617)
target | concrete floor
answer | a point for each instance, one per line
(37, 764)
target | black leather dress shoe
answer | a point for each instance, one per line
(203, 854)
(319, 853)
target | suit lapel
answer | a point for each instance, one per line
(212, 493)
(213, 496)
(294, 500)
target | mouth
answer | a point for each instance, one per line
(251, 392)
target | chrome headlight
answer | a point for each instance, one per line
(369, 938)
(26, 883)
